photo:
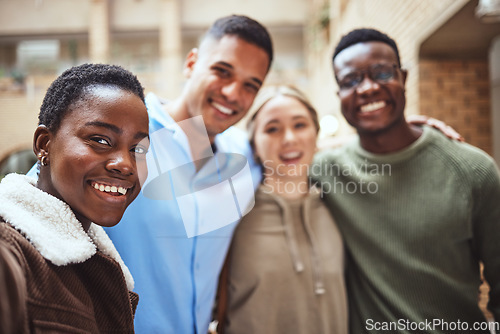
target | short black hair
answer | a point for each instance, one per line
(365, 35)
(245, 28)
(73, 84)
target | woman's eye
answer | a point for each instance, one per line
(101, 140)
(300, 125)
(140, 150)
(271, 130)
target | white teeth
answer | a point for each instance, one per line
(112, 189)
(372, 106)
(222, 109)
(290, 155)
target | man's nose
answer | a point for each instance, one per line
(367, 85)
(231, 91)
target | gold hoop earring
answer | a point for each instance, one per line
(43, 161)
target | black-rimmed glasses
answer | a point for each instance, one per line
(381, 73)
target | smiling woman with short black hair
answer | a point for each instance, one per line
(91, 144)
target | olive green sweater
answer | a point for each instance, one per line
(416, 224)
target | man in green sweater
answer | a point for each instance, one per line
(418, 211)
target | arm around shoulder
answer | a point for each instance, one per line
(487, 232)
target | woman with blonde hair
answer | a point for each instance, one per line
(285, 269)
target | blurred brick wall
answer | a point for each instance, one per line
(458, 93)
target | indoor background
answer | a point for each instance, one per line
(450, 47)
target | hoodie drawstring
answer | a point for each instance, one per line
(287, 221)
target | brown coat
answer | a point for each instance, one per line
(75, 282)
(13, 293)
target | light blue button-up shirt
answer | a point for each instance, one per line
(175, 235)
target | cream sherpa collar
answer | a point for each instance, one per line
(50, 225)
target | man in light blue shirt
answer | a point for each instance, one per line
(175, 235)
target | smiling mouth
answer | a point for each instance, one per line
(372, 106)
(290, 156)
(111, 189)
(223, 109)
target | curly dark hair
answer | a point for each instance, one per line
(245, 28)
(73, 85)
(365, 35)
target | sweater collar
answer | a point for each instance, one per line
(51, 226)
(400, 155)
